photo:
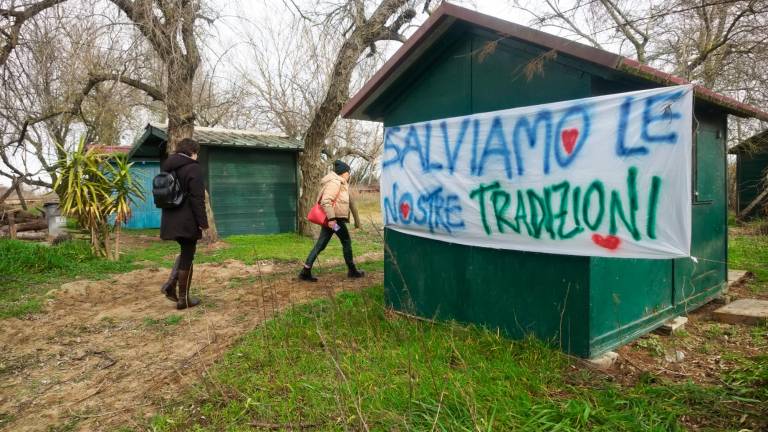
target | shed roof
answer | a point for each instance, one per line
(448, 15)
(156, 134)
(757, 143)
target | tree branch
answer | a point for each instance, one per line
(19, 17)
(146, 21)
(95, 78)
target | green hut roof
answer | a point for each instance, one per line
(448, 19)
(757, 143)
(152, 141)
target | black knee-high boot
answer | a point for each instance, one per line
(185, 283)
(169, 287)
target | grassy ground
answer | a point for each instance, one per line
(748, 250)
(345, 364)
(29, 270)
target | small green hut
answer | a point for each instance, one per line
(751, 172)
(251, 177)
(462, 62)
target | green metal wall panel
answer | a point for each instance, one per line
(628, 298)
(443, 90)
(519, 293)
(500, 81)
(252, 191)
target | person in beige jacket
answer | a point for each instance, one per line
(334, 198)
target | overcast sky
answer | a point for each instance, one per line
(237, 19)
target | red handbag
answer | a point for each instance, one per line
(317, 215)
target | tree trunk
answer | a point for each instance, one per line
(181, 109)
(118, 229)
(364, 34)
(312, 171)
(105, 243)
(10, 190)
(21, 197)
(355, 213)
(12, 225)
(211, 235)
(181, 124)
(94, 241)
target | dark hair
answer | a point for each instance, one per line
(188, 146)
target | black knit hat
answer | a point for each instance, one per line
(340, 167)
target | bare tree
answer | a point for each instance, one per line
(719, 44)
(361, 26)
(12, 18)
(49, 93)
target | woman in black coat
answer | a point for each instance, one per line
(185, 223)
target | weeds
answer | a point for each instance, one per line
(347, 363)
(29, 270)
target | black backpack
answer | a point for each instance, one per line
(166, 190)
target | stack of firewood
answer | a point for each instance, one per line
(22, 224)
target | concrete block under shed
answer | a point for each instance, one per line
(673, 326)
(744, 311)
(604, 361)
(738, 277)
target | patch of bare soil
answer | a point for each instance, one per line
(702, 352)
(105, 352)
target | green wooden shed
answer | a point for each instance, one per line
(252, 177)
(462, 62)
(751, 172)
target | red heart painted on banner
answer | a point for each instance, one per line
(569, 137)
(405, 209)
(610, 242)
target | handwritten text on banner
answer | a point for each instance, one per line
(604, 176)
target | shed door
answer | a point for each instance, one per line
(252, 191)
(698, 278)
(144, 214)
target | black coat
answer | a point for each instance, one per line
(186, 220)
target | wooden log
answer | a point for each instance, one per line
(35, 225)
(33, 235)
(20, 216)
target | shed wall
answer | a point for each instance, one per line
(252, 191)
(144, 214)
(587, 305)
(518, 292)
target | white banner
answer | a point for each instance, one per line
(604, 176)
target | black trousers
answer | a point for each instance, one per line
(187, 254)
(325, 236)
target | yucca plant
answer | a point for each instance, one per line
(125, 192)
(92, 186)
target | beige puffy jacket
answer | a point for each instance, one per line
(334, 196)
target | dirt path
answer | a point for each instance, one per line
(106, 352)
